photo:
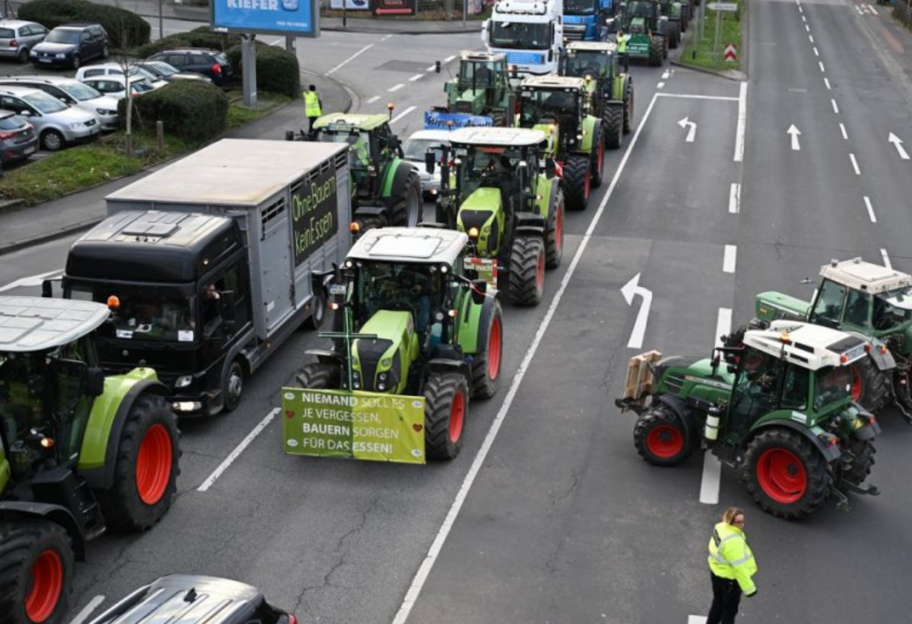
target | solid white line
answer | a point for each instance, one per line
(661, 85)
(449, 58)
(845, 135)
(402, 114)
(416, 77)
(826, 81)
(855, 164)
(350, 59)
(822, 68)
(427, 565)
(835, 108)
(83, 615)
(694, 96)
(734, 199)
(373, 99)
(396, 88)
(816, 52)
(238, 450)
(742, 123)
(870, 208)
(886, 258)
(696, 619)
(730, 259)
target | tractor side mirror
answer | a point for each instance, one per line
(95, 379)
(479, 291)
(430, 162)
(437, 67)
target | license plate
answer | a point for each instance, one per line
(44, 60)
(28, 150)
(337, 289)
(485, 268)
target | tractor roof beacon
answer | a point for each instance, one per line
(80, 453)
(777, 407)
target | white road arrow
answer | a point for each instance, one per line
(630, 290)
(897, 143)
(691, 129)
(795, 132)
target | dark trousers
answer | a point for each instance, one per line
(625, 60)
(310, 125)
(726, 598)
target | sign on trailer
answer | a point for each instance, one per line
(294, 18)
(730, 7)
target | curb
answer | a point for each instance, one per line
(711, 72)
(50, 236)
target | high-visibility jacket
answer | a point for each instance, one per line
(622, 43)
(731, 558)
(312, 104)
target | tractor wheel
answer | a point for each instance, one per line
(870, 387)
(368, 222)
(554, 246)
(613, 125)
(863, 462)
(526, 276)
(486, 364)
(656, 51)
(674, 35)
(146, 468)
(499, 119)
(785, 474)
(628, 107)
(446, 407)
(576, 181)
(318, 376)
(660, 438)
(405, 210)
(36, 571)
(597, 161)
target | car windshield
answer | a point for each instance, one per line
(80, 91)
(44, 103)
(63, 36)
(520, 36)
(13, 122)
(415, 149)
(161, 68)
(892, 308)
(580, 7)
(579, 63)
(833, 385)
(538, 104)
(136, 70)
(640, 9)
(140, 86)
(146, 313)
(491, 167)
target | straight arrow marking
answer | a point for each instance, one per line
(795, 133)
(898, 144)
(630, 290)
(691, 129)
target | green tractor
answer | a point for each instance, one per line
(778, 409)
(411, 323)
(509, 201)
(648, 29)
(79, 453)
(482, 88)
(560, 107)
(386, 189)
(676, 12)
(610, 90)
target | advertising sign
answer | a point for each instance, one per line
(298, 18)
(313, 214)
(353, 425)
(394, 7)
(452, 121)
(351, 5)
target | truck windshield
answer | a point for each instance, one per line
(582, 62)
(390, 286)
(833, 385)
(145, 313)
(537, 105)
(521, 36)
(580, 7)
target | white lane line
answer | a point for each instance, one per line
(238, 450)
(723, 324)
(431, 68)
(807, 28)
(666, 75)
(803, 18)
(870, 208)
(822, 68)
(661, 85)
(416, 77)
(696, 619)
(350, 59)
(816, 52)
(872, 9)
(835, 108)
(858, 8)
(449, 58)
(742, 123)
(845, 135)
(402, 114)
(734, 199)
(826, 81)
(396, 88)
(855, 164)
(385, 38)
(694, 96)
(421, 576)
(83, 615)
(811, 38)
(373, 99)
(886, 258)
(800, 10)
(730, 259)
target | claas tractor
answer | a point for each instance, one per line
(509, 201)
(609, 89)
(648, 29)
(482, 88)
(778, 408)
(409, 322)
(560, 107)
(80, 453)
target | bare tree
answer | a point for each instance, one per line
(128, 66)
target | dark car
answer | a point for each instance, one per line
(71, 45)
(211, 63)
(18, 139)
(169, 73)
(186, 599)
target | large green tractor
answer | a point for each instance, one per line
(609, 89)
(777, 408)
(676, 12)
(411, 323)
(648, 29)
(482, 88)
(560, 107)
(509, 201)
(79, 453)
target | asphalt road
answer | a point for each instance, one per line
(560, 521)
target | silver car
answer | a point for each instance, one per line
(415, 148)
(17, 38)
(56, 123)
(72, 92)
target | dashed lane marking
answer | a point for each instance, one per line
(807, 28)
(730, 259)
(822, 68)
(416, 77)
(402, 114)
(666, 75)
(845, 135)
(373, 99)
(816, 51)
(661, 85)
(696, 619)
(237, 451)
(350, 59)
(431, 68)
(449, 58)
(742, 123)
(886, 258)
(711, 482)
(734, 199)
(871, 215)
(811, 38)
(835, 107)
(826, 81)
(855, 164)
(396, 88)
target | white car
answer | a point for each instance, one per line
(74, 93)
(116, 86)
(416, 146)
(115, 69)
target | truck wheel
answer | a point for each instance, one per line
(656, 51)
(318, 376)
(870, 387)
(405, 211)
(613, 125)
(36, 571)
(785, 474)
(597, 160)
(628, 107)
(576, 181)
(318, 314)
(486, 364)
(146, 468)
(660, 438)
(233, 386)
(446, 406)
(526, 277)
(554, 247)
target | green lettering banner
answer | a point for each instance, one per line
(354, 425)
(313, 214)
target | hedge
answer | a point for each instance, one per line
(277, 69)
(201, 37)
(125, 29)
(191, 110)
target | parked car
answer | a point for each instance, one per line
(71, 91)
(414, 149)
(186, 599)
(71, 45)
(115, 69)
(56, 123)
(18, 140)
(211, 63)
(116, 86)
(18, 37)
(171, 73)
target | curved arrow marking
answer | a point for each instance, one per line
(691, 129)
(630, 290)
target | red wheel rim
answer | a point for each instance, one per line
(47, 585)
(601, 157)
(665, 442)
(781, 475)
(857, 384)
(457, 417)
(494, 346)
(559, 228)
(586, 186)
(540, 272)
(153, 464)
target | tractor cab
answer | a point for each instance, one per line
(556, 105)
(481, 75)
(371, 141)
(640, 14)
(595, 60)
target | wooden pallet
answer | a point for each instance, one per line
(639, 375)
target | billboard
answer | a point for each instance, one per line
(351, 5)
(394, 7)
(296, 18)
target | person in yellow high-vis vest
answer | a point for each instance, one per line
(732, 565)
(622, 41)
(313, 106)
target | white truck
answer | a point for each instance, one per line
(529, 32)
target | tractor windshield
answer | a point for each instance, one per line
(158, 314)
(414, 288)
(476, 74)
(834, 385)
(582, 63)
(547, 104)
(581, 7)
(892, 309)
(641, 9)
(520, 36)
(491, 167)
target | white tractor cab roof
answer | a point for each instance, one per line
(864, 276)
(416, 245)
(441, 136)
(809, 346)
(34, 323)
(553, 82)
(592, 46)
(491, 57)
(497, 137)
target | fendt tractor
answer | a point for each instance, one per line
(482, 88)
(411, 323)
(648, 30)
(778, 408)
(507, 198)
(559, 107)
(609, 89)
(79, 452)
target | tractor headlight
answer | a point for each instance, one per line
(382, 377)
(183, 381)
(381, 386)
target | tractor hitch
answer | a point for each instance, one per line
(869, 490)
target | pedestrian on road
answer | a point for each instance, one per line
(622, 40)
(313, 106)
(731, 566)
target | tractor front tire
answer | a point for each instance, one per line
(656, 51)
(576, 182)
(554, 247)
(628, 107)
(36, 571)
(526, 277)
(870, 387)
(406, 210)
(597, 160)
(486, 365)
(146, 468)
(368, 222)
(319, 376)
(660, 437)
(613, 125)
(786, 474)
(446, 407)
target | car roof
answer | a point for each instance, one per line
(467, 55)
(35, 323)
(80, 25)
(16, 23)
(501, 137)
(864, 276)
(592, 46)
(418, 245)
(178, 50)
(45, 79)
(19, 91)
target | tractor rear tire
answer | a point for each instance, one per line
(36, 572)
(554, 237)
(597, 160)
(870, 387)
(660, 437)
(446, 406)
(526, 276)
(146, 468)
(656, 51)
(864, 451)
(319, 376)
(576, 182)
(406, 210)
(786, 474)
(674, 34)
(613, 125)
(486, 365)
(628, 107)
